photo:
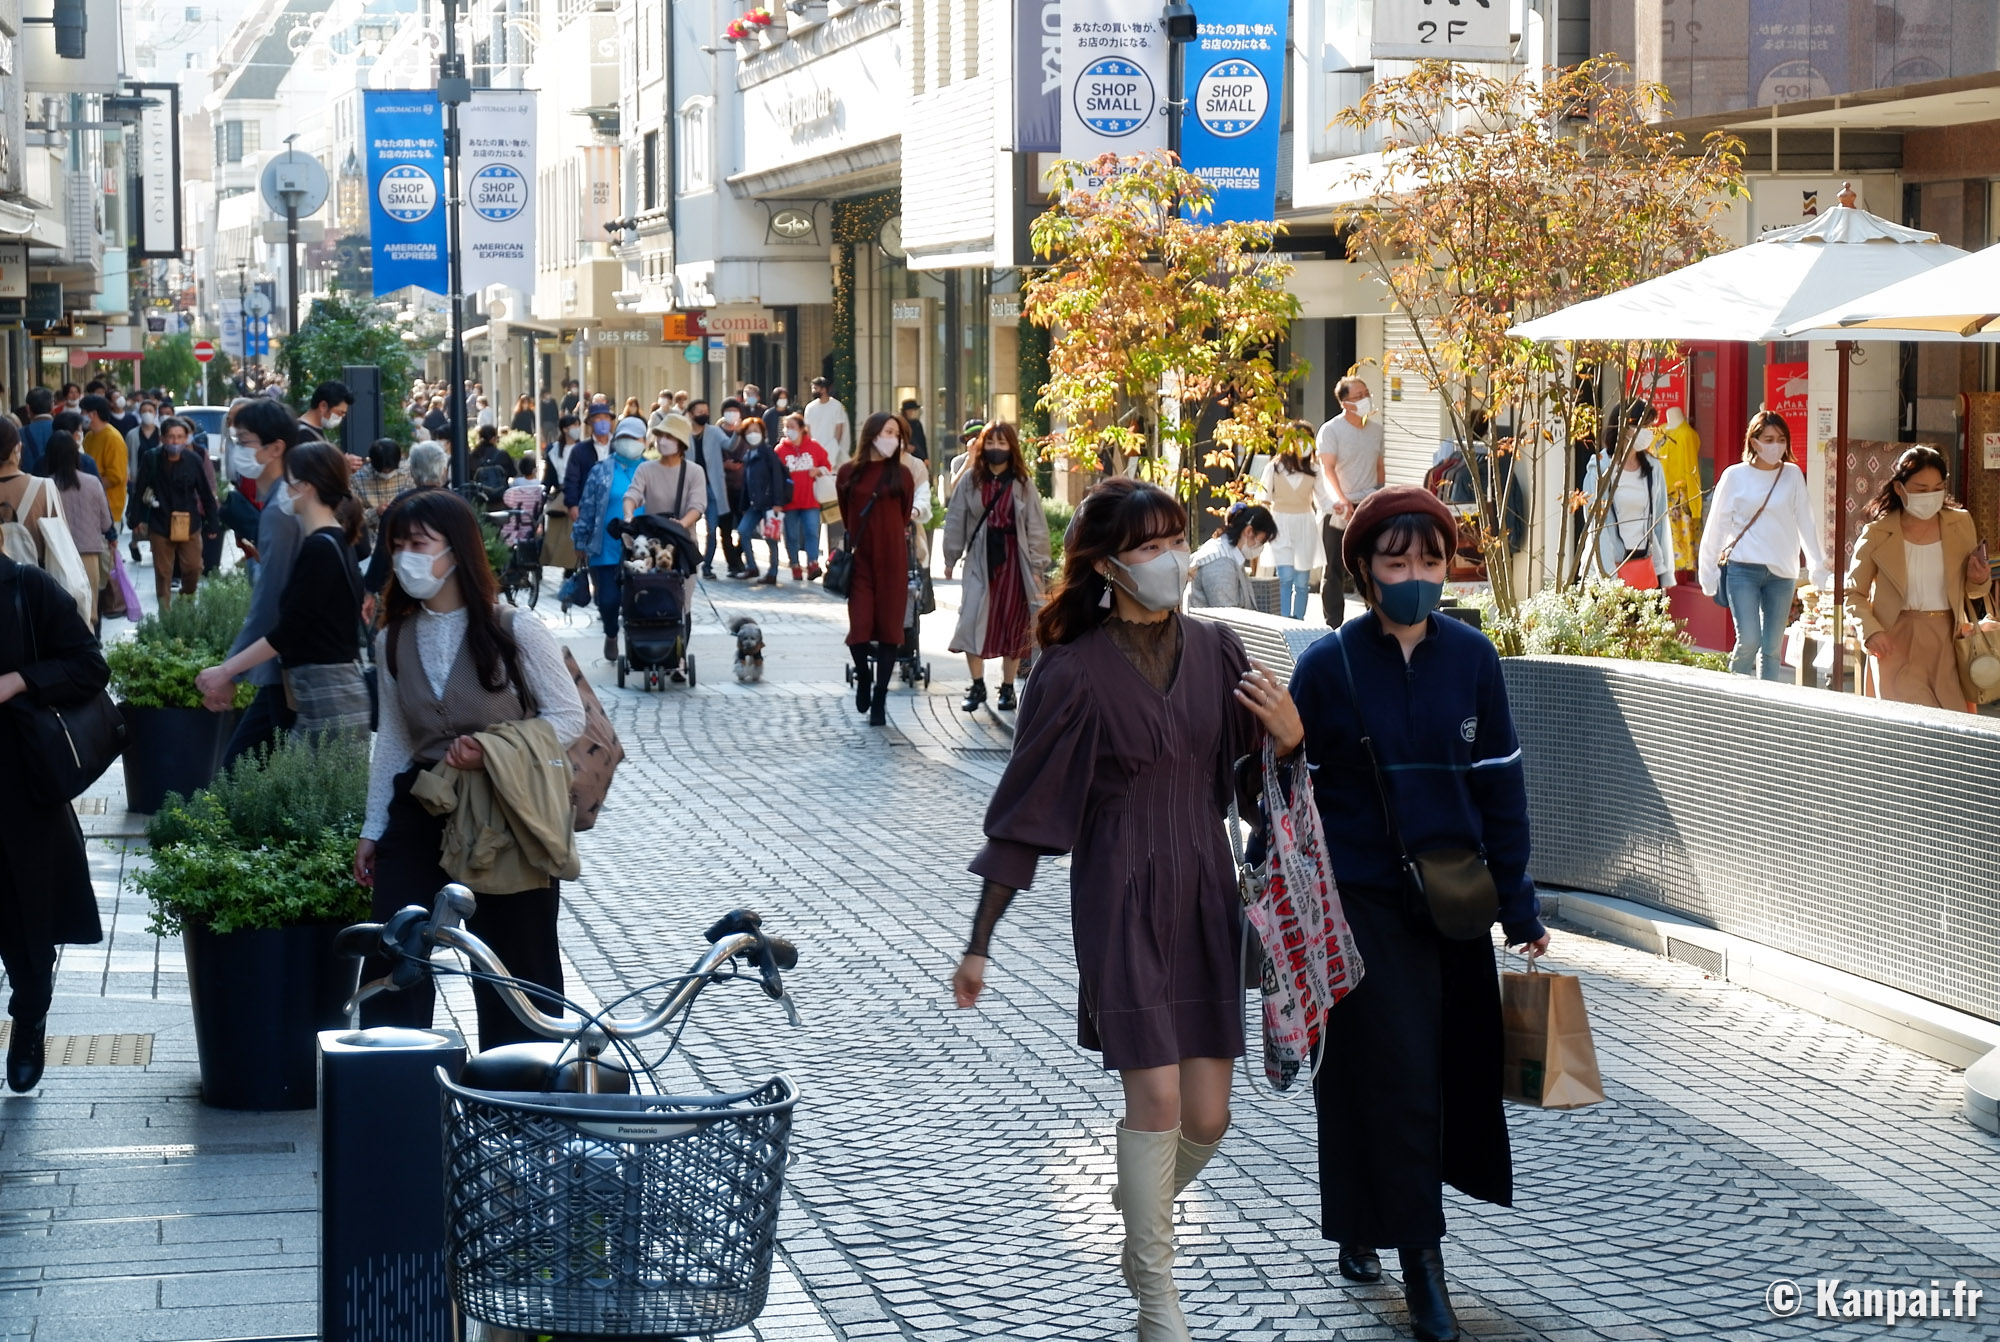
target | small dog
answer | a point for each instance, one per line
(749, 649)
(642, 554)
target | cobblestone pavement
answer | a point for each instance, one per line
(952, 1169)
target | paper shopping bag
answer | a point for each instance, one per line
(1549, 1058)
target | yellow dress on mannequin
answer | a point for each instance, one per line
(1677, 447)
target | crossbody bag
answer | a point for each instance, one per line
(1449, 890)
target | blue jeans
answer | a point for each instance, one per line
(604, 582)
(802, 534)
(1760, 602)
(1293, 584)
(747, 536)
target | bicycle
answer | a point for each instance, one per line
(576, 1206)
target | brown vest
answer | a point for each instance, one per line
(466, 707)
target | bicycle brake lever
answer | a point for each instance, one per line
(364, 992)
(791, 1012)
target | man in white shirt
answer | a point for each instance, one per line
(1350, 469)
(826, 422)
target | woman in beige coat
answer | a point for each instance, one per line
(994, 522)
(1919, 561)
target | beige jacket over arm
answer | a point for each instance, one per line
(1878, 582)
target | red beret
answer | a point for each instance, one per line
(1382, 505)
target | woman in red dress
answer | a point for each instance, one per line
(876, 493)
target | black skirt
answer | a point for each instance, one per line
(1409, 1094)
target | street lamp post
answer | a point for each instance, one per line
(453, 89)
(1177, 17)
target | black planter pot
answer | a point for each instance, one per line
(259, 1000)
(171, 750)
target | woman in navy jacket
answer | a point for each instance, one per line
(1409, 1096)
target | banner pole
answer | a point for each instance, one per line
(454, 88)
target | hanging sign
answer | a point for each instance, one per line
(159, 170)
(1038, 82)
(1229, 133)
(1114, 64)
(1786, 391)
(497, 224)
(404, 134)
(1442, 30)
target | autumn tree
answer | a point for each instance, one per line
(1499, 201)
(1150, 302)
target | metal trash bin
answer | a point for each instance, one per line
(381, 1164)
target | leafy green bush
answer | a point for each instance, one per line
(1602, 618)
(1058, 516)
(269, 844)
(157, 666)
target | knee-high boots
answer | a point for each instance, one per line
(885, 671)
(864, 671)
(1146, 1185)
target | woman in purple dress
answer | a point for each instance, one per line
(1124, 758)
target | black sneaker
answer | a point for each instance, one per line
(1006, 704)
(25, 1054)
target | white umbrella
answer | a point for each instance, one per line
(1770, 290)
(1959, 300)
(1764, 291)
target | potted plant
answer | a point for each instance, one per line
(255, 874)
(172, 743)
(762, 28)
(746, 42)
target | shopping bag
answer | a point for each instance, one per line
(1294, 909)
(1979, 657)
(1549, 1058)
(121, 583)
(61, 559)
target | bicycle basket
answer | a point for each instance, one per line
(616, 1215)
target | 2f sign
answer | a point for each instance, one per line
(1447, 30)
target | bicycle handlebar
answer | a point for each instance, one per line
(411, 934)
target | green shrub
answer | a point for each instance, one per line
(157, 666)
(210, 619)
(1058, 516)
(269, 844)
(1602, 618)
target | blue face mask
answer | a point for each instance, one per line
(1410, 601)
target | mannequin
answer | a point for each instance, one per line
(1677, 448)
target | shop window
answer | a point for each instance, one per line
(649, 172)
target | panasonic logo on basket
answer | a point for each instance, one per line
(638, 1132)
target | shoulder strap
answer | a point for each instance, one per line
(847, 541)
(1368, 746)
(1776, 479)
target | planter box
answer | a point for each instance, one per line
(769, 37)
(171, 750)
(260, 1000)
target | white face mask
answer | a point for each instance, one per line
(631, 449)
(574, 433)
(118, 403)
(243, 461)
(147, 419)
(284, 501)
(887, 443)
(782, 402)
(791, 435)
(333, 421)
(1771, 452)
(730, 417)
(415, 574)
(1362, 407)
(1157, 583)
(754, 439)
(1924, 506)
(669, 447)
(1253, 550)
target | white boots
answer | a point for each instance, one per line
(1153, 1168)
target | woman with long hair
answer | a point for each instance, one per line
(1918, 563)
(453, 662)
(994, 521)
(877, 491)
(524, 414)
(86, 511)
(1758, 521)
(1123, 758)
(317, 638)
(1634, 542)
(1295, 550)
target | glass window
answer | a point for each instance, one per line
(649, 172)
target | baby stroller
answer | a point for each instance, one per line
(521, 529)
(654, 604)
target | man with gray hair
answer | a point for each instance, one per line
(428, 466)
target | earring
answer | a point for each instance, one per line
(1104, 602)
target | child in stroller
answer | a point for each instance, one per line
(521, 532)
(654, 605)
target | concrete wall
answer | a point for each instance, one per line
(1861, 835)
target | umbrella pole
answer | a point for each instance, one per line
(1844, 348)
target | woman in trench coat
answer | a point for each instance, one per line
(45, 894)
(1124, 759)
(1409, 1096)
(995, 513)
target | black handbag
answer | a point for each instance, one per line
(1449, 890)
(66, 749)
(839, 578)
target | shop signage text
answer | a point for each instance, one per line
(1114, 62)
(1230, 135)
(1457, 30)
(739, 322)
(403, 133)
(498, 221)
(801, 110)
(13, 270)
(159, 170)
(1038, 100)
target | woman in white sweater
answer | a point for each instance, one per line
(451, 663)
(1758, 522)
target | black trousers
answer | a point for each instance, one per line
(260, 724)
(1333, 587)
(520, 927)
(732, 549)
(30, 959)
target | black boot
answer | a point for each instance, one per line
(1431, 1319)
(25, 1053)
(1007, 696)
(1360, 1263)
(864, 670)
(974, 697)
(885, 671)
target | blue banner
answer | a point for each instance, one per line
(404, 135)
(1235, 86)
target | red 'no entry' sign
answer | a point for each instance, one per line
(204, 350)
